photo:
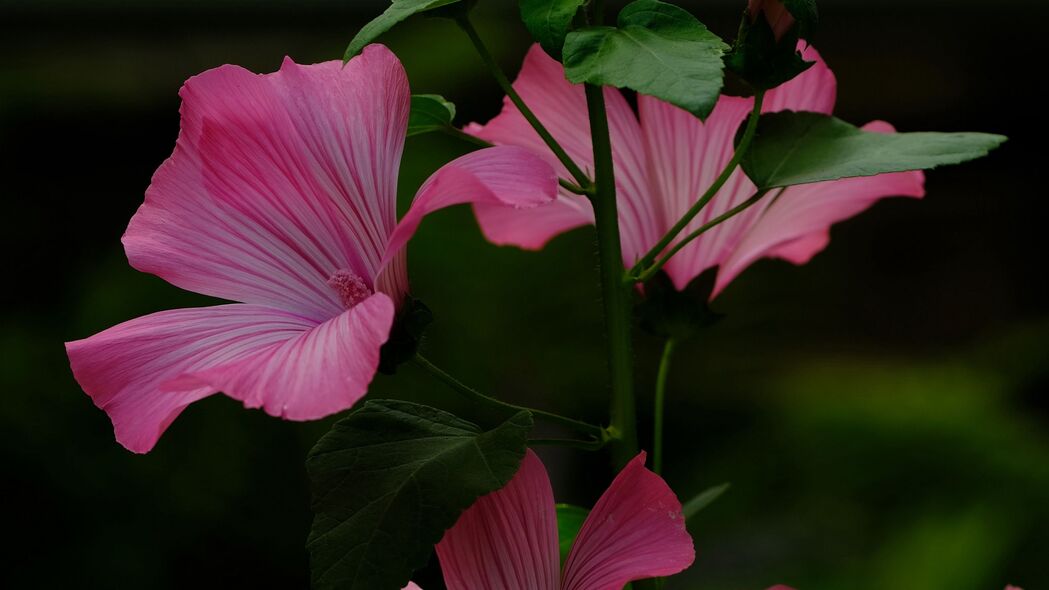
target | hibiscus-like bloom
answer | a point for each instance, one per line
(665, 158)
(280, 195)
(508, 539)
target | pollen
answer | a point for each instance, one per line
(351, 288)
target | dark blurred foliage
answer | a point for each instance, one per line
(881, 412)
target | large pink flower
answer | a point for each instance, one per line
(508, 539)
(664, 159)
(281, 195)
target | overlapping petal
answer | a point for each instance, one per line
(561, 107)
(277, 181)
(635, 531)
(507, 177)
(507, 539)
(136, 371)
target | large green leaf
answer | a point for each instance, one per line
(389, 479)
(549, 21)
(800, 147)
(658, 49)
(430, 112)
(397, 12)
(570, 519)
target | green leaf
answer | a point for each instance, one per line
(702, 500)
(658, 49)
(761, 60)
(570, 519)
(397, 12)
(548, 21)
(430, 112)
(389, 479)
(799, 147)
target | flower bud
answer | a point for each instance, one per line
(779, 18)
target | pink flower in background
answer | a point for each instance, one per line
(280, 195)
(777, 15)
(664, 159)
(508, 539)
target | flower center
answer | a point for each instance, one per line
(351, 288)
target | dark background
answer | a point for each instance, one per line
(881, 413)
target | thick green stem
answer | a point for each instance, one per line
(615, 293)
(658, 408)
(504, 82)
(652, 270)
(741, 150)
(581, 427)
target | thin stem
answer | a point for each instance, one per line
(652, 270)
(504, 83)
(741, 150)
(582, 445)
(576, 425)
(657, 412)
(460, 134)
(614, 293)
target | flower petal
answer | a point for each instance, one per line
(124, 369)
(145, 371)
(317, 373)
(635, 531)
(815, 89)
(796, 224)
(686, 155)
(277, 181)
(561, 107)
(506, 176)
(531, 229)
(507, 539)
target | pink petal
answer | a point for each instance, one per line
(509, 176)
(278, 181)
(315, 374)
(635, 531)
(507, 539)
(124, 368)
(412, 586)
(795, 226)
(142, 373)
(561, 107)
(815, 89)
(687, 155)
(531, 229)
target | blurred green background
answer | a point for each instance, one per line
(881, 413)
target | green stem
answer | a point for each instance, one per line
(504, 82)
(658, 410)
(576, 425)
(652, 270)
(615, 294)
(460, 134)
(583, 445)
(741, 150)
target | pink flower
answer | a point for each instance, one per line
(777, 15)
(508, 539)
(664, 160)
(280, 195)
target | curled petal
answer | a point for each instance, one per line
(635, 531)
(507, 539)
(317, 373)
(504, 176)
(144, 372)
